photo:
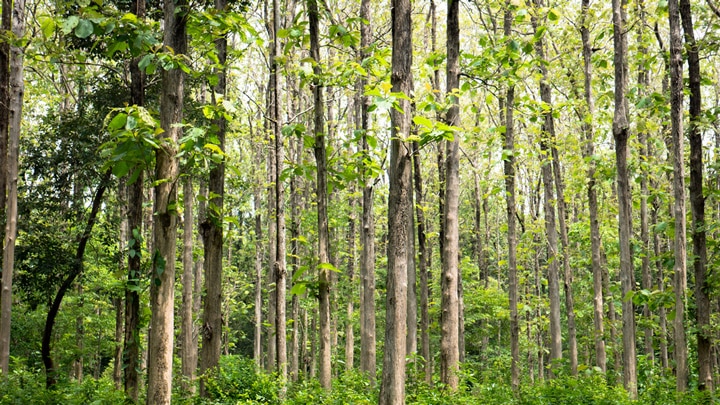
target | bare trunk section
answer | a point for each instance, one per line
(589, 151)
(295, 263)
(621, 134)
(697, 204)
(676, 134)
(162, 284)
(422, 266)
(188, 351)
(15, 102)
(350, 309)
(392, 390)
(449, 330)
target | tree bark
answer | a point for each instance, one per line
(676, 134)
(449, 341)
(621, 134)
(350, 309)
(15, 102)
(392, 390)
(589, 151)
(367, 230)
(422, 266)
(697, 204)
(322, 197)
(188, 358)
(162, 280)
(509, 172)
(546, 139)
(50, 372)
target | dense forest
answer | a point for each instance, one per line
(359, 201)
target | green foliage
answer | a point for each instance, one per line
(236, 381)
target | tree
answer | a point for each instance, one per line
(367, 231)
(212, 226)
(320, 152)
(589, 151)
(392, 389)
(621, 132)
(697, 204)
(162, 287)
(11, 140)
(676, 135)
(449, 344)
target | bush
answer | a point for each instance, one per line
(236, 381)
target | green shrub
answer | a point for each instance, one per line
(236, 381)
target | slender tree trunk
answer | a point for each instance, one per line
(189, 359)
(367, 231)
(621, 134)
(643, 80)
(349, 331)
(412, 301)
(15, 102)
(295, 254)
(546, 139)
(595, 240)
(162, 283)
(697, 204)
(392, 390)
(449, 347)
(322, 197)
(5, 27)
(422, 266)
(212, 230)
(117, 356)
(131, 343)
(50, 372)
(509, 172)
(676, 133)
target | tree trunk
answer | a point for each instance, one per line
(676, 134)
(509, 172)
(162, 284)
(595, 240)
(392, 390)
(322, 197)
(349, 331)
(189, 359)
(212, 230)
(367, 230)
(15, 102)
(50, 372)
(697, 204)
(295, 265)
(546, 139)
(422, 266)
(449, 341)
(621, 134)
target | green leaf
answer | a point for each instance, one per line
(69, 24)
(117, 122)
(84, 29)
(47, 26)
(553, 15)
(298, 289)
(420, 120)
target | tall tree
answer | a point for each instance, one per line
(131, 343)
(449, 343)
(162, 285)
(509, 172)
(188, 349)
(367, 230)
(11, 58)
(589, 151)
(392, 390)
(422, 265)
(212, 226)
(320, 151)
(546, 139)
(621, 132)
(677, 138)
(697, 203)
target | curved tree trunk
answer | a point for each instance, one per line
(50, 376)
